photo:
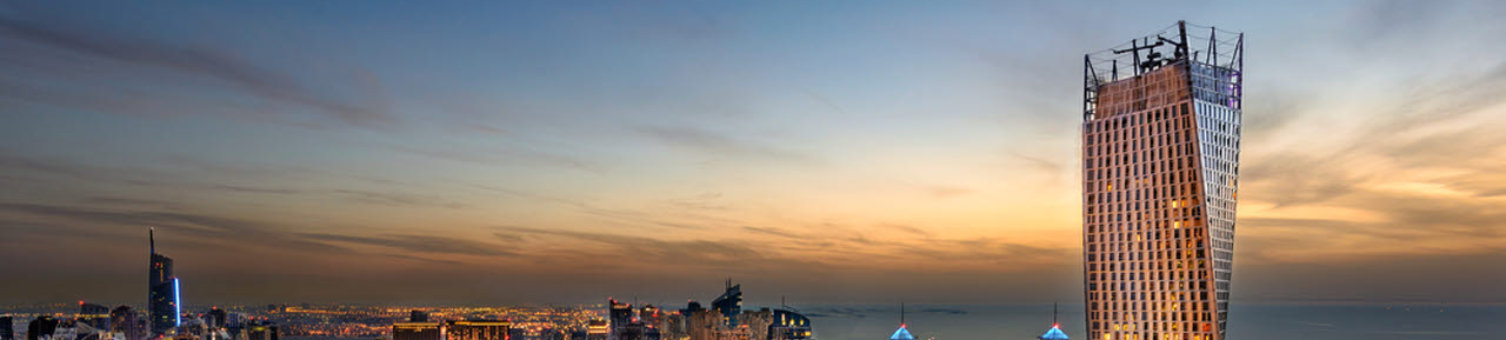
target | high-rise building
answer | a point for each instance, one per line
(903, 333)
(41, 328)
(626, 324)
(619, 315)
(1160, 178)
(263, 330)
(7, 328)
(788, 324)
(163, 303)
(123, 320)
(216, 318)
(96, 315)
(595, 330)
(1055, 333)
(729, 304)
(418, 331)
(478, 330)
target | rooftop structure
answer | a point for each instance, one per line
(1161, 132)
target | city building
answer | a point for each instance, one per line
(262, 330)
(1055, 333)
(729, 304)
(164, 306)
(477, 330)
(97, 316)
(903, 333)
(418, 331)
(7, 328)
(41, 328)
(595, 330)
(625, 325)
(1160, 178)
(216, 318)
(123, 320)
(788, 324)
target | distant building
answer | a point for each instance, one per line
(418, 316)
(619, 316)
(729, 304)
(625, 323)
(903, 333)
(41, 328)
(1055, 333)
(595, 330)
(260, 330)
(216, 318)
(477, 330)
(95, 315)
(789, 325)
(123, 320)
(163, 303)
(7, 328)
(418, 331)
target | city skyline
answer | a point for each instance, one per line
(831, 153)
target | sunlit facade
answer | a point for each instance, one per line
(1160, 179)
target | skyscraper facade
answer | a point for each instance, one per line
(123, 320)
(163, 303)
(1161, 129)
(96, 315)
(729, 304)
(478, 330)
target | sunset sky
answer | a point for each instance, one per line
(564, 152)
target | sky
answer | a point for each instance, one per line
(831, 152)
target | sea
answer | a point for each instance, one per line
(1246, 322)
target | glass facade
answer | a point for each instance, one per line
(1160, 181)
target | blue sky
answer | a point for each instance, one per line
(808, 148)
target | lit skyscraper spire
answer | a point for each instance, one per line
(903, 333)
(1160, 178)
(163, 302)
(1055, 333)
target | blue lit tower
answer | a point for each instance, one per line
(163, 302)
(1055, 333)
(903, 333)
(1160, 147)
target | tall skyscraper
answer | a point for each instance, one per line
(1160, 178)
(163, 302)
(729, 304)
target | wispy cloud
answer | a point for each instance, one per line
(228, 68)
(708, 143)
(419, 244)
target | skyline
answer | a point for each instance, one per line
(832, 153)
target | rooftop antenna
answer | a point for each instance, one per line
(902, 314)
(1053, 316)
(151, 236)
